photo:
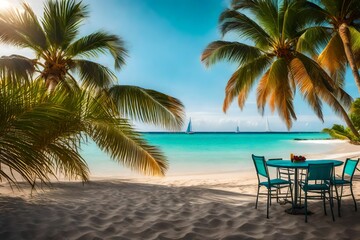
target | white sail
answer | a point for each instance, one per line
(267, 126)
(189, 128)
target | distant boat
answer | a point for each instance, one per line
(237, 129)
(189, 128)
(267, 126)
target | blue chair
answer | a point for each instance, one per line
(283, 173)
(265, 181)
(345, 180)
(317, 183)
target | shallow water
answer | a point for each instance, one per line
(212, 152)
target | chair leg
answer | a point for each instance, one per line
(338, 200)
(353, 197)
(268, 200)
(323, 198)
(331, 205)
(299, 195)
(257, 197)
(291, 195)
(305, 206)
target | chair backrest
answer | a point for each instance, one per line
(260, 165)
(350, 167)
(322, 171)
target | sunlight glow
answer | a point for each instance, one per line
(4, 4)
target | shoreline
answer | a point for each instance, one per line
(201, 206)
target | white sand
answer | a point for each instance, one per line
(217, 206)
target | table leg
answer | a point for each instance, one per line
(296, 208)
(296, 188)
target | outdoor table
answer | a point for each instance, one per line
(296, 166)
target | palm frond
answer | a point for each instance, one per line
(127, 147)
(229, 51)
(338, 131)
(333, 59)
(148, 106)
(16, 68)
(355, 39)
(62, 20)
(278, 80)
(325, 87)
(243, 26)
(243, 4)
(306, 86)
(35, 139)
(100, 43)
(313, 40)
(22, 28)
(266, 12)
(93, 74)
(263, 91)
(242, 80)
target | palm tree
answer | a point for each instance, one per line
(341, 132)
(61, 62)
(339, 29)
(40, 134)
(61, 56)
(273, 60)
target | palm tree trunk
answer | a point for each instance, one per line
(345, 37)
(51, 82)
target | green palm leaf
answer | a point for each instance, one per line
(148, 106)
(62, 20)
(338, 131)
(128, 147)
(266, 12)
(99, 43)
(313, 40)
(16, 68)
(333, 59)
(34, 135)
(93, 74)
(234, 21)
(230, 51)
(243, 79)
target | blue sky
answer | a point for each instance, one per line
(165, 39)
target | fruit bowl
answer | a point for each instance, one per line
(298, 158)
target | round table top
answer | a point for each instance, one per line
(289, 164)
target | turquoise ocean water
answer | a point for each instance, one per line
(212, 152)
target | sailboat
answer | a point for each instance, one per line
(237, 129)
(267, 126)
(189, 128)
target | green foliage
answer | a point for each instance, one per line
(343, 132)
(40, 134)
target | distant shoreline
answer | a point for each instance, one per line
(307, 139)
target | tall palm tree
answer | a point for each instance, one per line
(61, 61)
(273, 60)
(339, 30)
(40, 134)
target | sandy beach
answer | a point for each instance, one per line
(216, 206)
